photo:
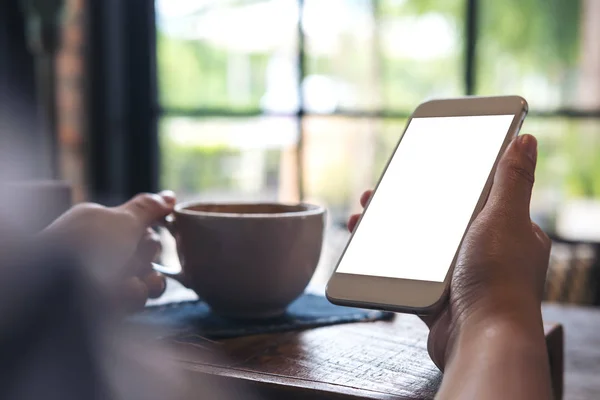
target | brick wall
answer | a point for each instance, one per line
(70, 107)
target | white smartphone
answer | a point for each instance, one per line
(401, 254)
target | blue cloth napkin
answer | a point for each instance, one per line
(192, 318)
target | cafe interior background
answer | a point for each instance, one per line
(301, 100)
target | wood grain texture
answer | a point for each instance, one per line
(582, 349)
(376, 360)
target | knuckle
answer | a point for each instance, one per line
(146, 199)
(517, 172)
(145, 202)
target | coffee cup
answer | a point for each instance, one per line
(247, 260)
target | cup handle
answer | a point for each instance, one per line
(172, 273)
(169, 223)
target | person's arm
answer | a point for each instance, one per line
(489, 338)
(502, 356)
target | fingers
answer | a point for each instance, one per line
(140, 270)
(133, 294)
(141, 282)
(364, 199)
(513, 182)
(147, 252)
(168, 196)
(155, 283)
(149, 208)
(353, 221)
(149, 247)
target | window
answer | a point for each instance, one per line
(305, 99)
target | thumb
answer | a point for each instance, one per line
(511, 191)
(149, 208)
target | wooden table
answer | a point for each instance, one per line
(582, 348)
(380, 360)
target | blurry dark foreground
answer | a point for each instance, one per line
(60, 339)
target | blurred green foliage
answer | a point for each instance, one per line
(191, 169)
(539, 33)
(581, 145)
(538, 37)
(193, 74)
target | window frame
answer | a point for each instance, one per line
(471, 35)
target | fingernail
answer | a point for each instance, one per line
(168, 196)
(529, 144)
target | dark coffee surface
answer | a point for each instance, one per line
(257, 208)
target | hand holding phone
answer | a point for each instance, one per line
(501, 266)
(404, 249)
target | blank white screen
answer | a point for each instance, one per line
(422, 207)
